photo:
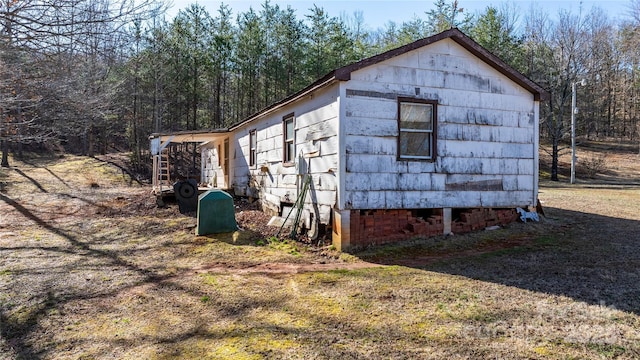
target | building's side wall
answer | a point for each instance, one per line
(213, 163)
(485, 134)
(278, 184)
(211, 170)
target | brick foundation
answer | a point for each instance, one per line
(477, 219)
(374, 227)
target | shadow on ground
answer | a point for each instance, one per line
(56, 290)
(588, 257)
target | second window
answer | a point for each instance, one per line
(417, 129)
(289, 139)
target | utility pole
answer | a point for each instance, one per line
(574, 111)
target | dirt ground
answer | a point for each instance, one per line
(90, 268)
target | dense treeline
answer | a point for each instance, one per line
(91, 75)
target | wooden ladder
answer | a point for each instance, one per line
(161, 176)
(163, 168)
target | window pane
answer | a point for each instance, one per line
(289, 134)
(415, 144)
(416, 116)
(252, 140)
(290, 150)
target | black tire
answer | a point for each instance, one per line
(186, 190)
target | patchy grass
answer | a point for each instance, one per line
(97, 273)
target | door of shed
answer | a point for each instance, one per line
(216, 213)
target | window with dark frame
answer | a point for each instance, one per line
(417, 125)
(226, 157)
(288, 139)
(252, 147)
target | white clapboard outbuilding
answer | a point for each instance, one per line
(433, 137)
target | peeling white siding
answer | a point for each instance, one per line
(486, 150)
(212, 173)
(317, 148)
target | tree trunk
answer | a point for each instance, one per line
(91, 145)
(217, 117)
(5, 153)
(638, 127)
(554, 159)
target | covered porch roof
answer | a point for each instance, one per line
(159, 141)
(197, 136)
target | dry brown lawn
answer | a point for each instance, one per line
(98, 272)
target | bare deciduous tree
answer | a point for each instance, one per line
(43, 39)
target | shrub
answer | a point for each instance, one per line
(594, 165)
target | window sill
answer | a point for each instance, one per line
(418, 159)
(288, 164)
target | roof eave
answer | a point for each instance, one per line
(539, 93)
(327, 80)
(463, 40)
